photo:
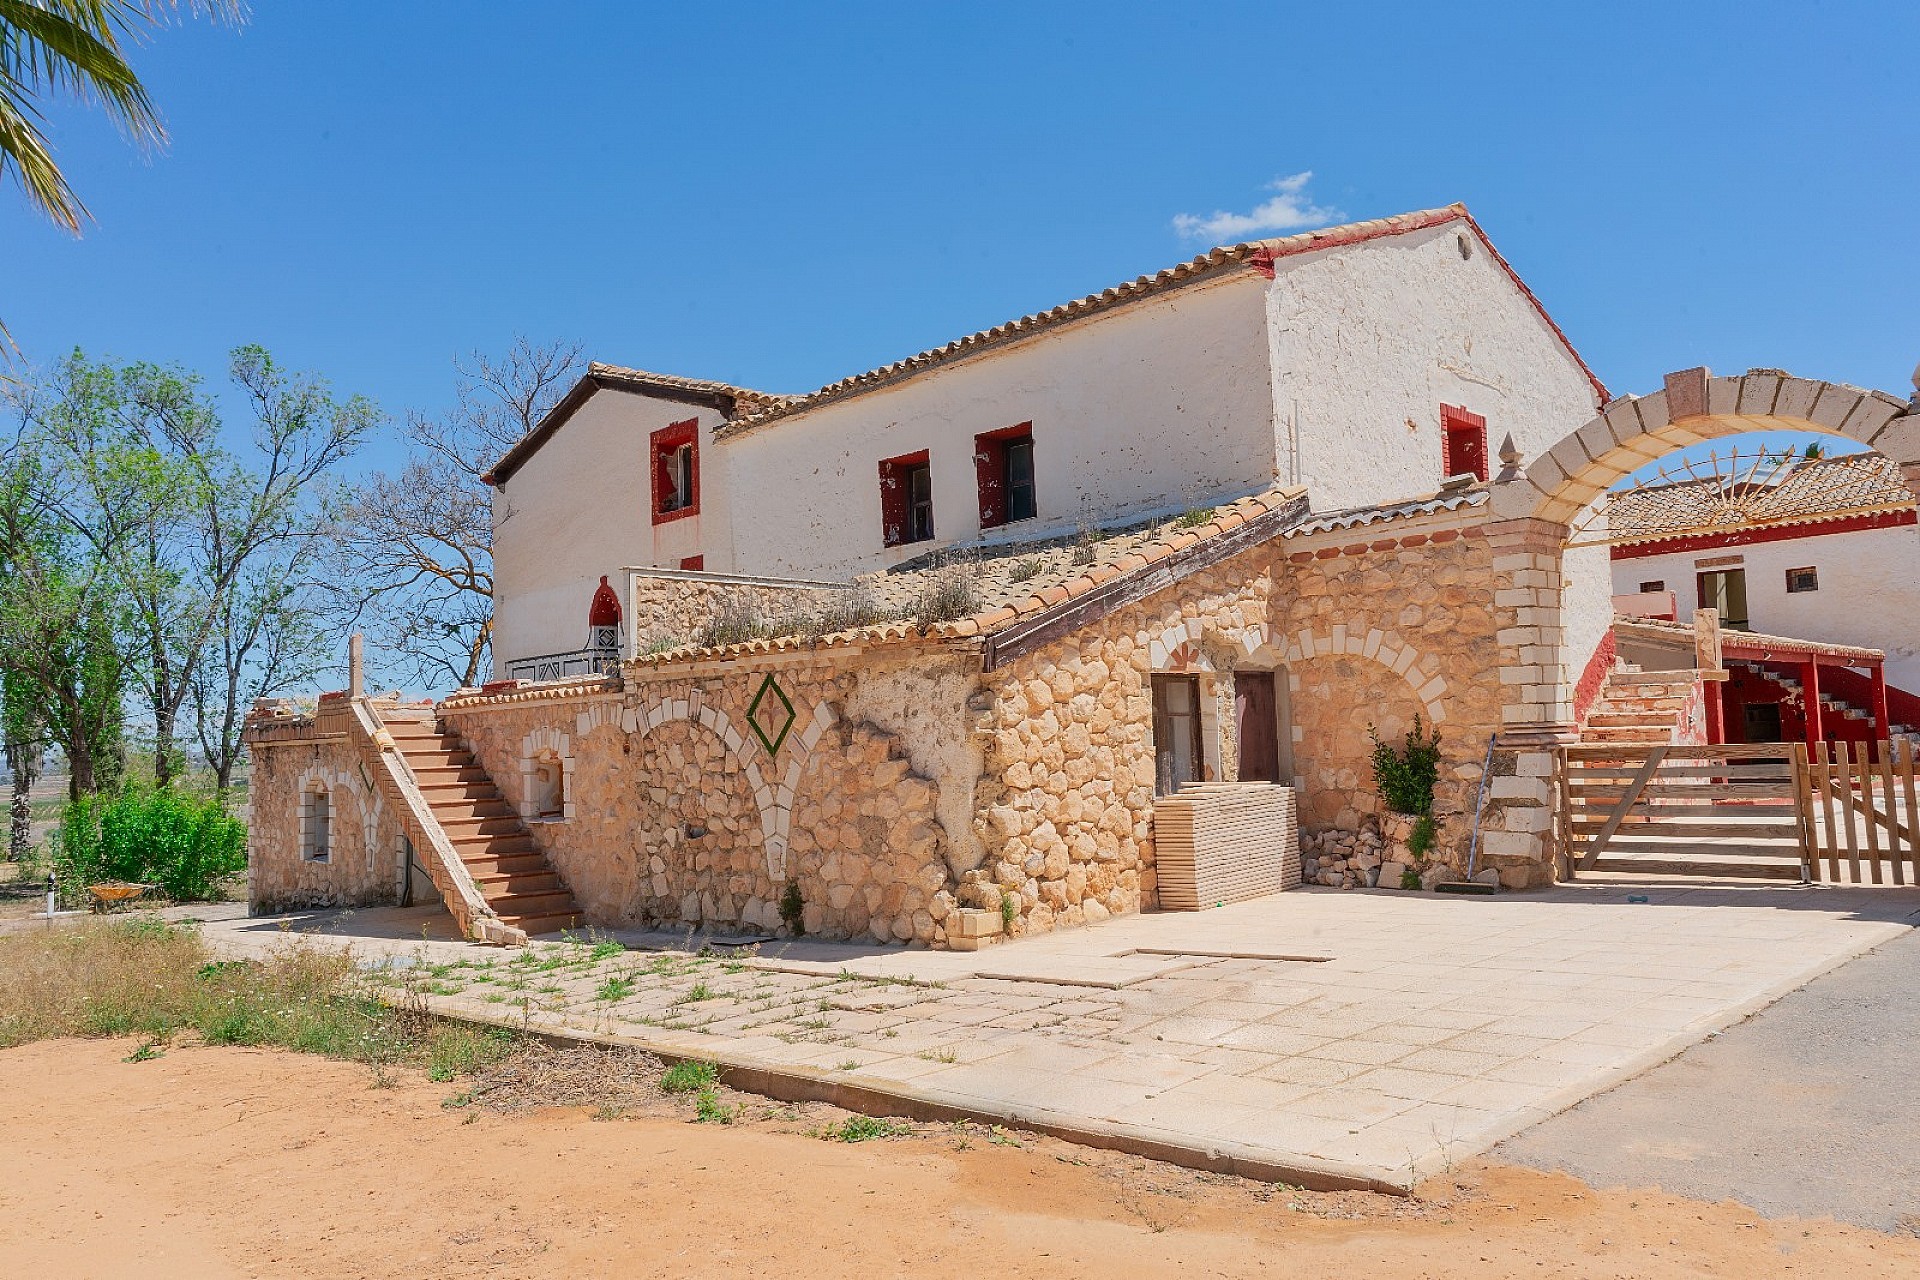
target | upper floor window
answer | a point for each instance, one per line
(906, 499)
(1464, 439)
(1003, 462)
(1799, 580)
(675, 463)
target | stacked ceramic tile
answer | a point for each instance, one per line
(1221, 842)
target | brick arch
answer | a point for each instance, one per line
(1419, 670)
(1693, 406)
(367, 800)
(772, 797)
(539, 741)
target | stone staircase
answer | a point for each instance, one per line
(1830, 705)
(519, 884)
(1639, 707)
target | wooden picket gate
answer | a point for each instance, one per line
(1860, 812)
(1726, 811)
(1837, 812)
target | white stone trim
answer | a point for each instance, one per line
(334, 781)
(1386, 648)
(773, 799)
(532, 746)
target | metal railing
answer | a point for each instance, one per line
(562, 666)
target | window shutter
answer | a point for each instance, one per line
(990, 468)
(893, 505)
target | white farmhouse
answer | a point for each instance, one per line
(1363, 363)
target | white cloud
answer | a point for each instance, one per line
(1290, 209)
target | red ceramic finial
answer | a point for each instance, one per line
(605, 611)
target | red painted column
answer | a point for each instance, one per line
(1810, 690)
(1715, 697)
(1882, 722)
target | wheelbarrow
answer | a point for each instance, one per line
(115, 893)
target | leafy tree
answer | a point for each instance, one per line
(58, 633)
(24, 737)
(185, 529)
(413, 552)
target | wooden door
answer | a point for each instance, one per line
(1256, 726)
(1176, 733)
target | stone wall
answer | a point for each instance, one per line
(1368, 631)
(682, 815)
(671, 608)
(363, 865)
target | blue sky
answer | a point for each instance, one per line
(782, 195)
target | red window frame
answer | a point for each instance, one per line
(896, 520)
(1463, 442)
(990, 471)
(661, 446)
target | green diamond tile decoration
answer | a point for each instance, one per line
(770, 715)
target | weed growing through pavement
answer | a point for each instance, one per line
(615, 989)
(696, 993)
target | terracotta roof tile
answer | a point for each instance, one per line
(1823, 489)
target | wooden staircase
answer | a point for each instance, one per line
(518, 882)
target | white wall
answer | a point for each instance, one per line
(1869, 590)
(1370, 341)
(1158, 406)
(581, 506)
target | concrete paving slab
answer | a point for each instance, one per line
(1477, 1017)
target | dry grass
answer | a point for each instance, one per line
(142, 976)
(611, 1081)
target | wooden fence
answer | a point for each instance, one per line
(1838, 812)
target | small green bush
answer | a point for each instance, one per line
(1409, 879)
(1406, 775)
(690, 1076)
(184, 844)
(1421, 838)
(793, 909)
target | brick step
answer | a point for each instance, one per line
(1629, 719)
(481, 844)
(467, 825)
(462, 810)
(500, 885)
(458, 790)
(552, 922)
(447, 775)
(1635, 734)
(525, 863)
(1633, 679)
(431, 753)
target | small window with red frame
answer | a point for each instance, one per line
(1464, 438)
(906, 499)
(675, 463)
(1003, 466)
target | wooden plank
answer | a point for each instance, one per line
(1708, 849)
(1694, 830)
(1843, 777)
(1885, 751)
(1775, 870)
(1619, 814)
(1682, 751)
(1583, 769)
(1772, 789)
(1913, 810)
(1863, 775)
(1824, 754)
(1803, 803)
(1644, 812)
(1562, 815)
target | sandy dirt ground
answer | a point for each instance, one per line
(216, 1162)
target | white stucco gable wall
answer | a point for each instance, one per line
(581, 506)
(1369, 340)
(1155, 406)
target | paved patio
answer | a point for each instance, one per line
(1356, 1038)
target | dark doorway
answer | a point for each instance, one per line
(1176, 733)
(1763, 722)
(1256, 726)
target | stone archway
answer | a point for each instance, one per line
(1548, 617)
(1692, 406)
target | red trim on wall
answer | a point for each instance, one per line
(1463, 442)
(990, 469)
(1772, 533)
(894, 497)
(693, 563)
(1592, 677)
(660, 448)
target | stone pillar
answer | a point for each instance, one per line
(1518, 834)
(356, 667)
